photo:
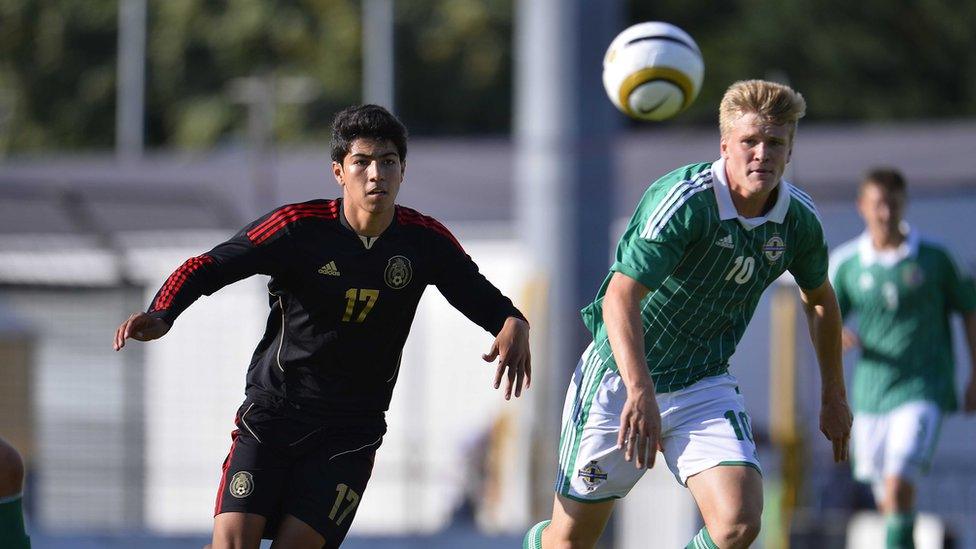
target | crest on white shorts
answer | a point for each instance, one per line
(592, 475)
(241, 484)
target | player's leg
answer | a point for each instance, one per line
(12, 533)
(708, 446)
(868, 435)
(592, 470)
(730, 499)
(296, 534)
(326, 487)
(234, 530)
(899, 510)
(574, 525)
(252, 479)
(911, 441)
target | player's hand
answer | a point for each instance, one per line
(969, 399)
(849, 339)
(835, 424)
(640, 428)
(140, 327)
(511, 348)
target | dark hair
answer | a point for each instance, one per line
(888, 179)
(369, 122)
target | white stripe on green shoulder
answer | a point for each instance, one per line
(842, 254)
(678, 196)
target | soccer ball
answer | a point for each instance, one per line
(653, 71)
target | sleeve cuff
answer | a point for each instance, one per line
(164, 315)
(648, 280)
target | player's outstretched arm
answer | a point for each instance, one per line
(824, 321)
(640, 419)
(511, 348)
(141, 327)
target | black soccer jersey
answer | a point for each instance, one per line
(340, 311)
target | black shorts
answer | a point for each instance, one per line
(282, 464)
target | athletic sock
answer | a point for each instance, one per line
(701, 541)
(899, 531)
(12, 534)
(533, 538)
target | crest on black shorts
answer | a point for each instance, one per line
(592, 475)
(241, 484)
(398, 272)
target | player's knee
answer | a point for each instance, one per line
(902, 495)
(736, 533)
(11, 471)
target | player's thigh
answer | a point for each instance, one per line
(868, 436)
(591, 466)
(251, 483)
(296, 534)
(706, 425)
(327, 485)
(235, 530)
(576, 524)
(728, 495)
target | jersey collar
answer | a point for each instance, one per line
(869, 255)
(367, 241)
(726, 208)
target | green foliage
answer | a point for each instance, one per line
(868, 60)
(454, 65)
(864, 60)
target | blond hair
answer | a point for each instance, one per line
(773, 103)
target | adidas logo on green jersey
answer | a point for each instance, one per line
(725, 242)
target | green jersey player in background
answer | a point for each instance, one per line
(703, 244)
(903, 289)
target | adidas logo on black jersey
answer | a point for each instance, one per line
(329, 269)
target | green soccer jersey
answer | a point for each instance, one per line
(706, 268)
(902, 300)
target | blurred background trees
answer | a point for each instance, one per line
(871, 60)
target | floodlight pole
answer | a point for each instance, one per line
(130, 94)
(378, 53)
(564, 130)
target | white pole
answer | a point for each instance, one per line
(130, 97)
(378, 53)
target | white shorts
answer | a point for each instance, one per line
(702, 426)
(897, 443)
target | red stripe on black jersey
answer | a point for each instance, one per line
(406, 216)
(176, 281)
(289, 214)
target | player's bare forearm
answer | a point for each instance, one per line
(621, 315)
(825, 324)
(511, 348)
(640, 419)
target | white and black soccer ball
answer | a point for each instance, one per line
(653, 71)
